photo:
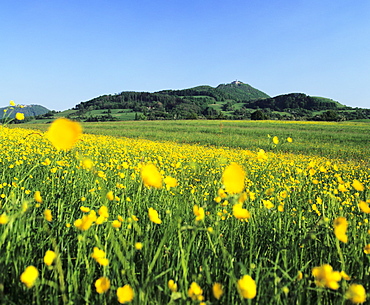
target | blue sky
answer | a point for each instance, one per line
(59, 53)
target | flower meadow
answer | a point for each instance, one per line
(89, 219)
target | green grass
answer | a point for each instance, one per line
(305, 187)
(346, 140)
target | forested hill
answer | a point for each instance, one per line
(175, 104)
(28, 111)
(235, 100)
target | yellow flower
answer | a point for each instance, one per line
(247, 287)
(326, 277)
(4, 219)
(153, 216)
(233, 178)
(170, 182)
(268, 204)
(99, 256)
(29, 276)
(356, 293)
(198, 212)
(125, 294)
(87, 163)
(138, 246)
(345, 276)
(49, 257)
(103, 211)
(172, 285)
(340, 229)
(239, 212)
(85, 209)
(116, 224)
(195, 292)
(367, 249)
(151, 176)
(275, 140)
(86, 221)
(37, 197)
(261, 155)
(358, 186)
(19, 116)
(364, 207)
(102, 284)
(217, 290)
(299, 275)
(64, 133)
(47, 215)
(110, 196)
(11, 103)
(289, 139)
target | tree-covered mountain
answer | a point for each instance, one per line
(27, 110)
(235, 100)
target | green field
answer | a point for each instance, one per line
(185, 212)
(347, 140)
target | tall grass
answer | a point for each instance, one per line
(293, 200)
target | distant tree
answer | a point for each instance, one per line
(258, 115)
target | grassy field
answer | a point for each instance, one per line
(200, 216)
(347, 140)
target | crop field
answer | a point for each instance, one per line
(185, 212)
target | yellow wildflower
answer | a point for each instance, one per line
(356, 293)
(233, 178)
(340, 229)
(195, 292)
(99, 256)
(239, 212)
(151, 176)
(217, 290)
(275, 140)
(364, 207)
(4, 219)
(49, 257)
(172, 285)
(138, 246)
(64, 133)
(110, 196)
(29, 276)
(289, 139)
(170, 182)
(37, 197)
(358, 186)
(326, 277)
(102, 284)
(247, 287)
(261, 155)
(19, 116)
(198, 212)
(153, 216)
(125, 294)
(367, 249)
(11, 103)
(116, 224)
(47, 215)
(103, 211)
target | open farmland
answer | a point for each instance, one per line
(239, 218)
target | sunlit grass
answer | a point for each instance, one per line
(95, 212)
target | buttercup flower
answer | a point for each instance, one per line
(217, 290)
(233, 178)
(19, 116)
(239, 212)
(172, 285)
(125, 294)
(151, 176)
(153, 216)
(29, 276)
(195, 292)
(64, 133)
(37, 197)
(102, 284)
(4, 219)
(326, 277)
(198, 212)
(49, 257)
(340, 229)
(356, 293)
(247, 287)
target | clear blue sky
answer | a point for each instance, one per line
(59, 53)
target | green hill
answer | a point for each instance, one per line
(239, 91)
(28, 111)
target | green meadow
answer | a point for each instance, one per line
(242, 215)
